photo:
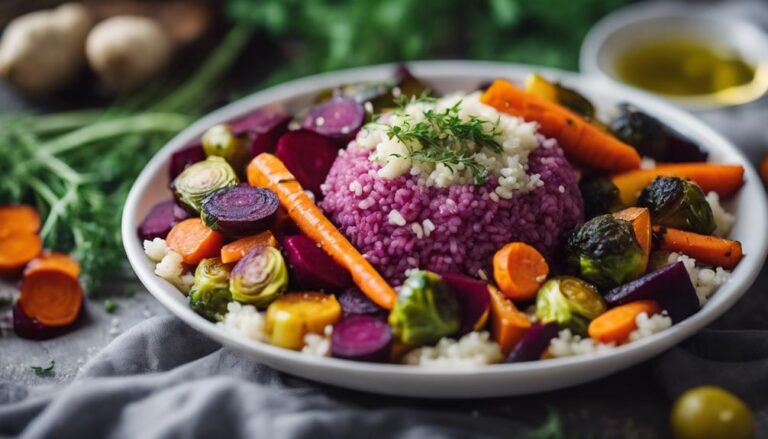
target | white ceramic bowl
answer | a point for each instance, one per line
(494, 380)
(640, 23)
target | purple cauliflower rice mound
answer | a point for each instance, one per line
(469, 227)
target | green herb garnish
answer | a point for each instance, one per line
(42, 371)
(110, 306)
(445, 138)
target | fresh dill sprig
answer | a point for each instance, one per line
(443, 137)
(42, 371)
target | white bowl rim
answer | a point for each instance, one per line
(743, 277)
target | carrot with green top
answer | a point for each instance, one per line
(721, 178)
(615, 325)
(582, 142)
(236, 250)
(194, 241)
(268, 171)
(707, 249)
(519, 270)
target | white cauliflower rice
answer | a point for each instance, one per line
(170, 264)
(472, 350)
(706, 280)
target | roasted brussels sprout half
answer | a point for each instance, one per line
(678, 203)
(605, 251)
(600, 196)
(200, 180)
(260, 277)
(570, 302)
(210, 293)
(425, 311)
(221, 141)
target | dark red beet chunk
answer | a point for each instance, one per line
(361, 338)
(26, 327)
(184, 157)
(670, 286)
(160, 220)
(353, 302)
(240, 210)
(311, 268)
(309, 156)
(534, 343)
(474, 299)
(264, 127)
(338, 118)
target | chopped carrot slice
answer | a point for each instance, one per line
(640, 218)
(16, 250)
(707, 249)
(615, 325)
(54, 261)
(18, 218)
(51, 297)
(194, 241)
(508, 324)
(519, 270)
(236, 250)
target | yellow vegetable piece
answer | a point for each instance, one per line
(292, 316)
(536, 85)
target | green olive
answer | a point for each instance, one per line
(710, 412)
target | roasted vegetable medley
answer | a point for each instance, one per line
(250, 239)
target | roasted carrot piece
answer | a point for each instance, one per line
(18, 218)
(194, 241)
(54, 261)
(508, 324)
(640, 218)
(268, 171)
(16, 250)
(764, 170)
(723, 179)
(582, 142)
(234, 251)
(51, 297)
(519, 270)
(615, 325)
(707, 249)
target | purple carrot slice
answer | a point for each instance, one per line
(240, 210)
(339, 118)
(534, 342)
(264, 127)
(160, 220)
(353, 302)
(474, 300)
(184, 157)
(309, 156)
(311, 268)
(361, 338)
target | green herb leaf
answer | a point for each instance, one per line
(110, 306)
(44, 370)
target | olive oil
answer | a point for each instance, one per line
(682, 67)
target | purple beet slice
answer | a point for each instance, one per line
(353, 301)
(309, 156)
(264, 127)
(29, 328)
(670, 286)
(160, 220)
(184, 157)
(311, 268)
(339, 118)
(361, 338)
(534, 342)
(474, 300)
(240, 210)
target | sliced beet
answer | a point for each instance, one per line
(353, 301)
(264, 126)
(339, 118)
(240, 210)
(309, 156)
(534, 342)
(361, 338)
(184, 157)
(474, 300)
(670, 286)
(29, 328)
(311, 268)
(160, 220)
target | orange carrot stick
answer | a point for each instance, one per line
(615, 325)
(581, 141)
(16, 250)
(194, 241)
(707, 249)
(723, 179)
(508, 324)
(18, 218)
(236, 250)
(519, 270)
(268, 171)
(51, 297)
(640, 218)
(54, 261)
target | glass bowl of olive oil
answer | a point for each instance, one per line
(689, 55)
